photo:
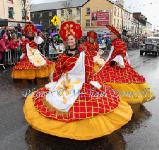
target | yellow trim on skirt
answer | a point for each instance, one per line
(87, 129)
(41, 72)
(133, 93)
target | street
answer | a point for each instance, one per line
(141, 133)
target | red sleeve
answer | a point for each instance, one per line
(97, 47)
(24, 45)
(3, 46)
(120, 48)
(33, 44)
(59, 67)
(89, 64)
(16, 45)
(82, 47)
(11, 45)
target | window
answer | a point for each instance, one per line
(115, 11)
(11, 1)
(118, 12)
(78, 11)
(62, 12)
(114, 22)
(41, 15)
(50, 14)
(32, 15)
(23, 14)
(88, 11)
(88, 23)
(70, 11)
(10, 13)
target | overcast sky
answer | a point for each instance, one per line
(150, 8)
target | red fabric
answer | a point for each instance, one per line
(4, 45)
(23, 44)
(92, 34)
(116, 74)
(70, 28)
(120, 48)
(24, 63)
(66, 63)
(13, 45)
(113, 29)
(90, 102)
(29, 29)
(91, 48)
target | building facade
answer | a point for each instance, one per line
(13, 10)
(87, 12)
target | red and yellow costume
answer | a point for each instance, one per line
(93, 48)
(131, 86)
(25, 69)
(90, 116)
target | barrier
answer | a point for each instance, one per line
(11, 57)
(53, 53)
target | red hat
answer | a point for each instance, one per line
(113, 29)
(70, 28)
(30, 29)
(92, 34)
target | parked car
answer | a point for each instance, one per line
(151, 46)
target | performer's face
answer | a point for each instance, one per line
(71, 41)
(91, 40)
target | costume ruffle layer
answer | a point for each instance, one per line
(118, 75)
(87, 129)
(133, 93)
(41, 72)
(88, 104)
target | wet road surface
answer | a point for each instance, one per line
(142, 133)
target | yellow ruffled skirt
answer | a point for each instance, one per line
(87, 129)
(41, 72)
(133, 93)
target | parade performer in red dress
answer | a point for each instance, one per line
(91, 43)
(93, 47)
(72, 106)
(32, 64)
(118, 73)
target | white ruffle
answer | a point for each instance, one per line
(35, 57)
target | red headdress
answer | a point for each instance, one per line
(30, 29)
(113, 29)
(92, 34)
(70, 28)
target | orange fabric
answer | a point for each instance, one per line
(42, 72)
(87, 129)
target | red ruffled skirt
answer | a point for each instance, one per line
(24, 69)
(91, 102)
